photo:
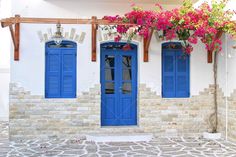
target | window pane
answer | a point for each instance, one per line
(126, 61)
(110, 88)
(126, 88)
(109, 61)
(109, 74)
(62, 45)
(127, 74)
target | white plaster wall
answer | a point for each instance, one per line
(5, 11)
(222, 59)
(227, 60)
(29, 71)
(226, 66)
(231, 67)
(76, 8)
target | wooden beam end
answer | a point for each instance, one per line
(145, 57)
(209, 56)
(94, 38)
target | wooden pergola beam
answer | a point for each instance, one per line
(9, 21)
(146, 44)
(17, 20)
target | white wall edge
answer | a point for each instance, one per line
(4, 70)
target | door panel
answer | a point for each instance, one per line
(168, 72)
(119, 86)
(53, 73)
(68, 77)
(182, 75)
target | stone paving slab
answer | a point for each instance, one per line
(159, 146)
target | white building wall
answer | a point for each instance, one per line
(227, 60)
(29, 71)
(230, 67)
(5, 11)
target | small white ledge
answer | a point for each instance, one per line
(211, 136)
(119, 137)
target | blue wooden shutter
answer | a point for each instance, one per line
(68, 76)
(168, 73)
(53, 70)
(182, 75)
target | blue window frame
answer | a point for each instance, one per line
(175, 71)
(60, 70)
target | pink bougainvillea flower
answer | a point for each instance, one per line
(188, 49)
(139, 21)
(200, 32)
(192, 39)
(126, 47)
(117, 38)
(122, 29)
(170, 34)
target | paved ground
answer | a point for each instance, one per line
(164, 147)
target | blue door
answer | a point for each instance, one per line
(118, 85)
(60, 78)
(175, 71)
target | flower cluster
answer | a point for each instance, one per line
(188, 24)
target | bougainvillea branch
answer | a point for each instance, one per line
(187, 24)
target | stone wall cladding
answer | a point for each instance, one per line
(179, 116)
(232, 116)
(34, 116)
(221, 101)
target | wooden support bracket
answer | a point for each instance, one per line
(15, 35)
(146, 44)
(17, 39)
(94, 38)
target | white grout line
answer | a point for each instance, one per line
(226, 88)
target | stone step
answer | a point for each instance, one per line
(114, 137)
